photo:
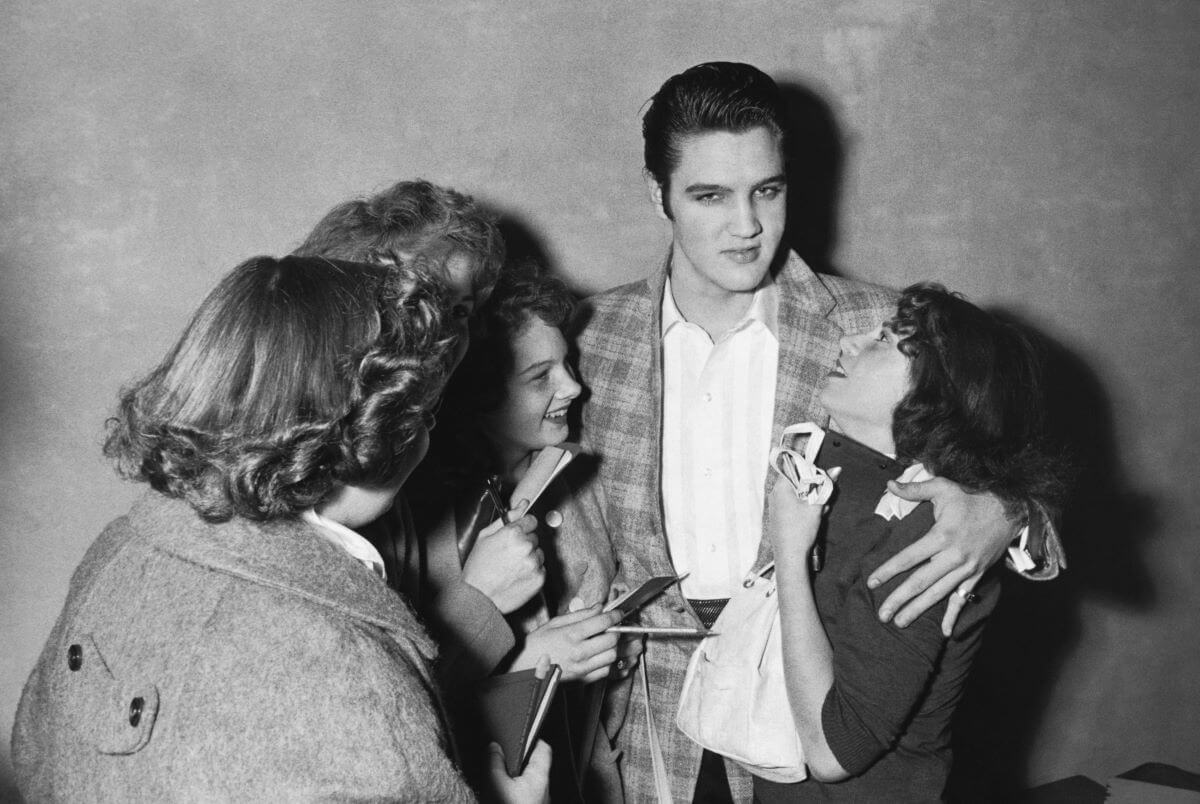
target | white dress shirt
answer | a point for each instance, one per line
(718, 406)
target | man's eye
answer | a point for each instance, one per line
(709, 198)
(769, 192)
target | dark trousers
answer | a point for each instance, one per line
(712, 785)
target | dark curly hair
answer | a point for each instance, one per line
(293, 376)
(460, 450)
(975, 411)
(411, 219)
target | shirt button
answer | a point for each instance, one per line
(707, 471)
(708, 397)
(75, 657)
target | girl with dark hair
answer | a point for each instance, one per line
(509, 399)
(232, 636)
(943, 388)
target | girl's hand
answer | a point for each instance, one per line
(531, 787)
(629, 653)
(577, 642)
(792, 524)
(507, 564)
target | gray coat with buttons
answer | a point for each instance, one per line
(251, 661)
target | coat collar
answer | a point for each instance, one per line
(285, 555)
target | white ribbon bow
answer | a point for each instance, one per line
(892, 507)
(811, 483)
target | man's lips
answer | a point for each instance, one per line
(743, 255)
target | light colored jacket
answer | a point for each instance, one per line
(233, 661)
(620, 360)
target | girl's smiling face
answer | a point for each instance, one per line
(538, 393)
(861, 393)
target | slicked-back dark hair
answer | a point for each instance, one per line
(975, 411)
(293, 375)
(416, 218)
(714, 96)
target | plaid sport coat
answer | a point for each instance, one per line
(618, 334)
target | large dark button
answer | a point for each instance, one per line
(74, 657)
(135, 711)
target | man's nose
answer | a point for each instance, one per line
(745, 221)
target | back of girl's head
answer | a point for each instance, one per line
(411, 220)
(293, 375)
(975, 411)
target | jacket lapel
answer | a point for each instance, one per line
(808, 349)
(647, 362)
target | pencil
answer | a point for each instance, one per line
(659, 631)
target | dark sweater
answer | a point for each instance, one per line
(887, 716)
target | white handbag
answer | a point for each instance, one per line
(734, 698)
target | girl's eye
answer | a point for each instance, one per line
(883, 336)
(460, 311)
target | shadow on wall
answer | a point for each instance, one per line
(815, 158)
(1105, 526)
(522, 242)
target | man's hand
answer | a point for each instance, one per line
(969, 534)
(531, 787)
(577, 642)
(507, 564)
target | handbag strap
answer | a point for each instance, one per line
(662, 782)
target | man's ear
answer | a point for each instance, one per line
(656, 197)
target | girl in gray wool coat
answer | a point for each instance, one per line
(232, 636)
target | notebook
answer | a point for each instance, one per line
(512, 708)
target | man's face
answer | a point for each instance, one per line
(728, 202)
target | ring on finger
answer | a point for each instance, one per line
(966, 594)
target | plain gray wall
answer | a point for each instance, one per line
(1043, 157)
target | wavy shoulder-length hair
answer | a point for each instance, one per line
(975, 411)
(293, 376)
